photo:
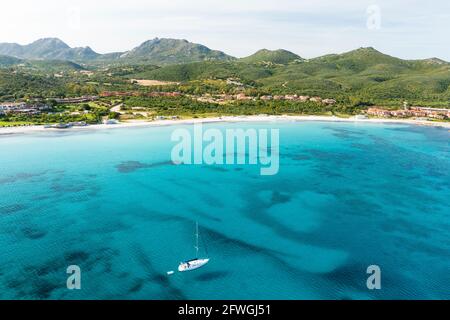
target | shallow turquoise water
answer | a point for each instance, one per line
(347, 196)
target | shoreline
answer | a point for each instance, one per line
(260, 118)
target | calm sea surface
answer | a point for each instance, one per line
(347, 196)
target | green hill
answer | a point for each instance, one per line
(44, 66)
(208, 70)
(18, 85)
(53, 65)
(274, 57)
(7, 61)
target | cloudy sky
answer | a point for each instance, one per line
(404, 28)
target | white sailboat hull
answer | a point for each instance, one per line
(192, 265)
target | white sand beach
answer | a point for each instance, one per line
(259, 118)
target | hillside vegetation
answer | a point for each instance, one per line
(364, 76)
(361, 77)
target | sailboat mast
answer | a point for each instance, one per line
(196, 238)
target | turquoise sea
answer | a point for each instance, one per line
(347, 196)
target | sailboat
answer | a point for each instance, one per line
(196, 263)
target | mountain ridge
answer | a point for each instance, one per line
(165, 51)
(159, 51)
(47, 49)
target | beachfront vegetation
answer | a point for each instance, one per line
(88, 112)
(14, 123)
(186, 106)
